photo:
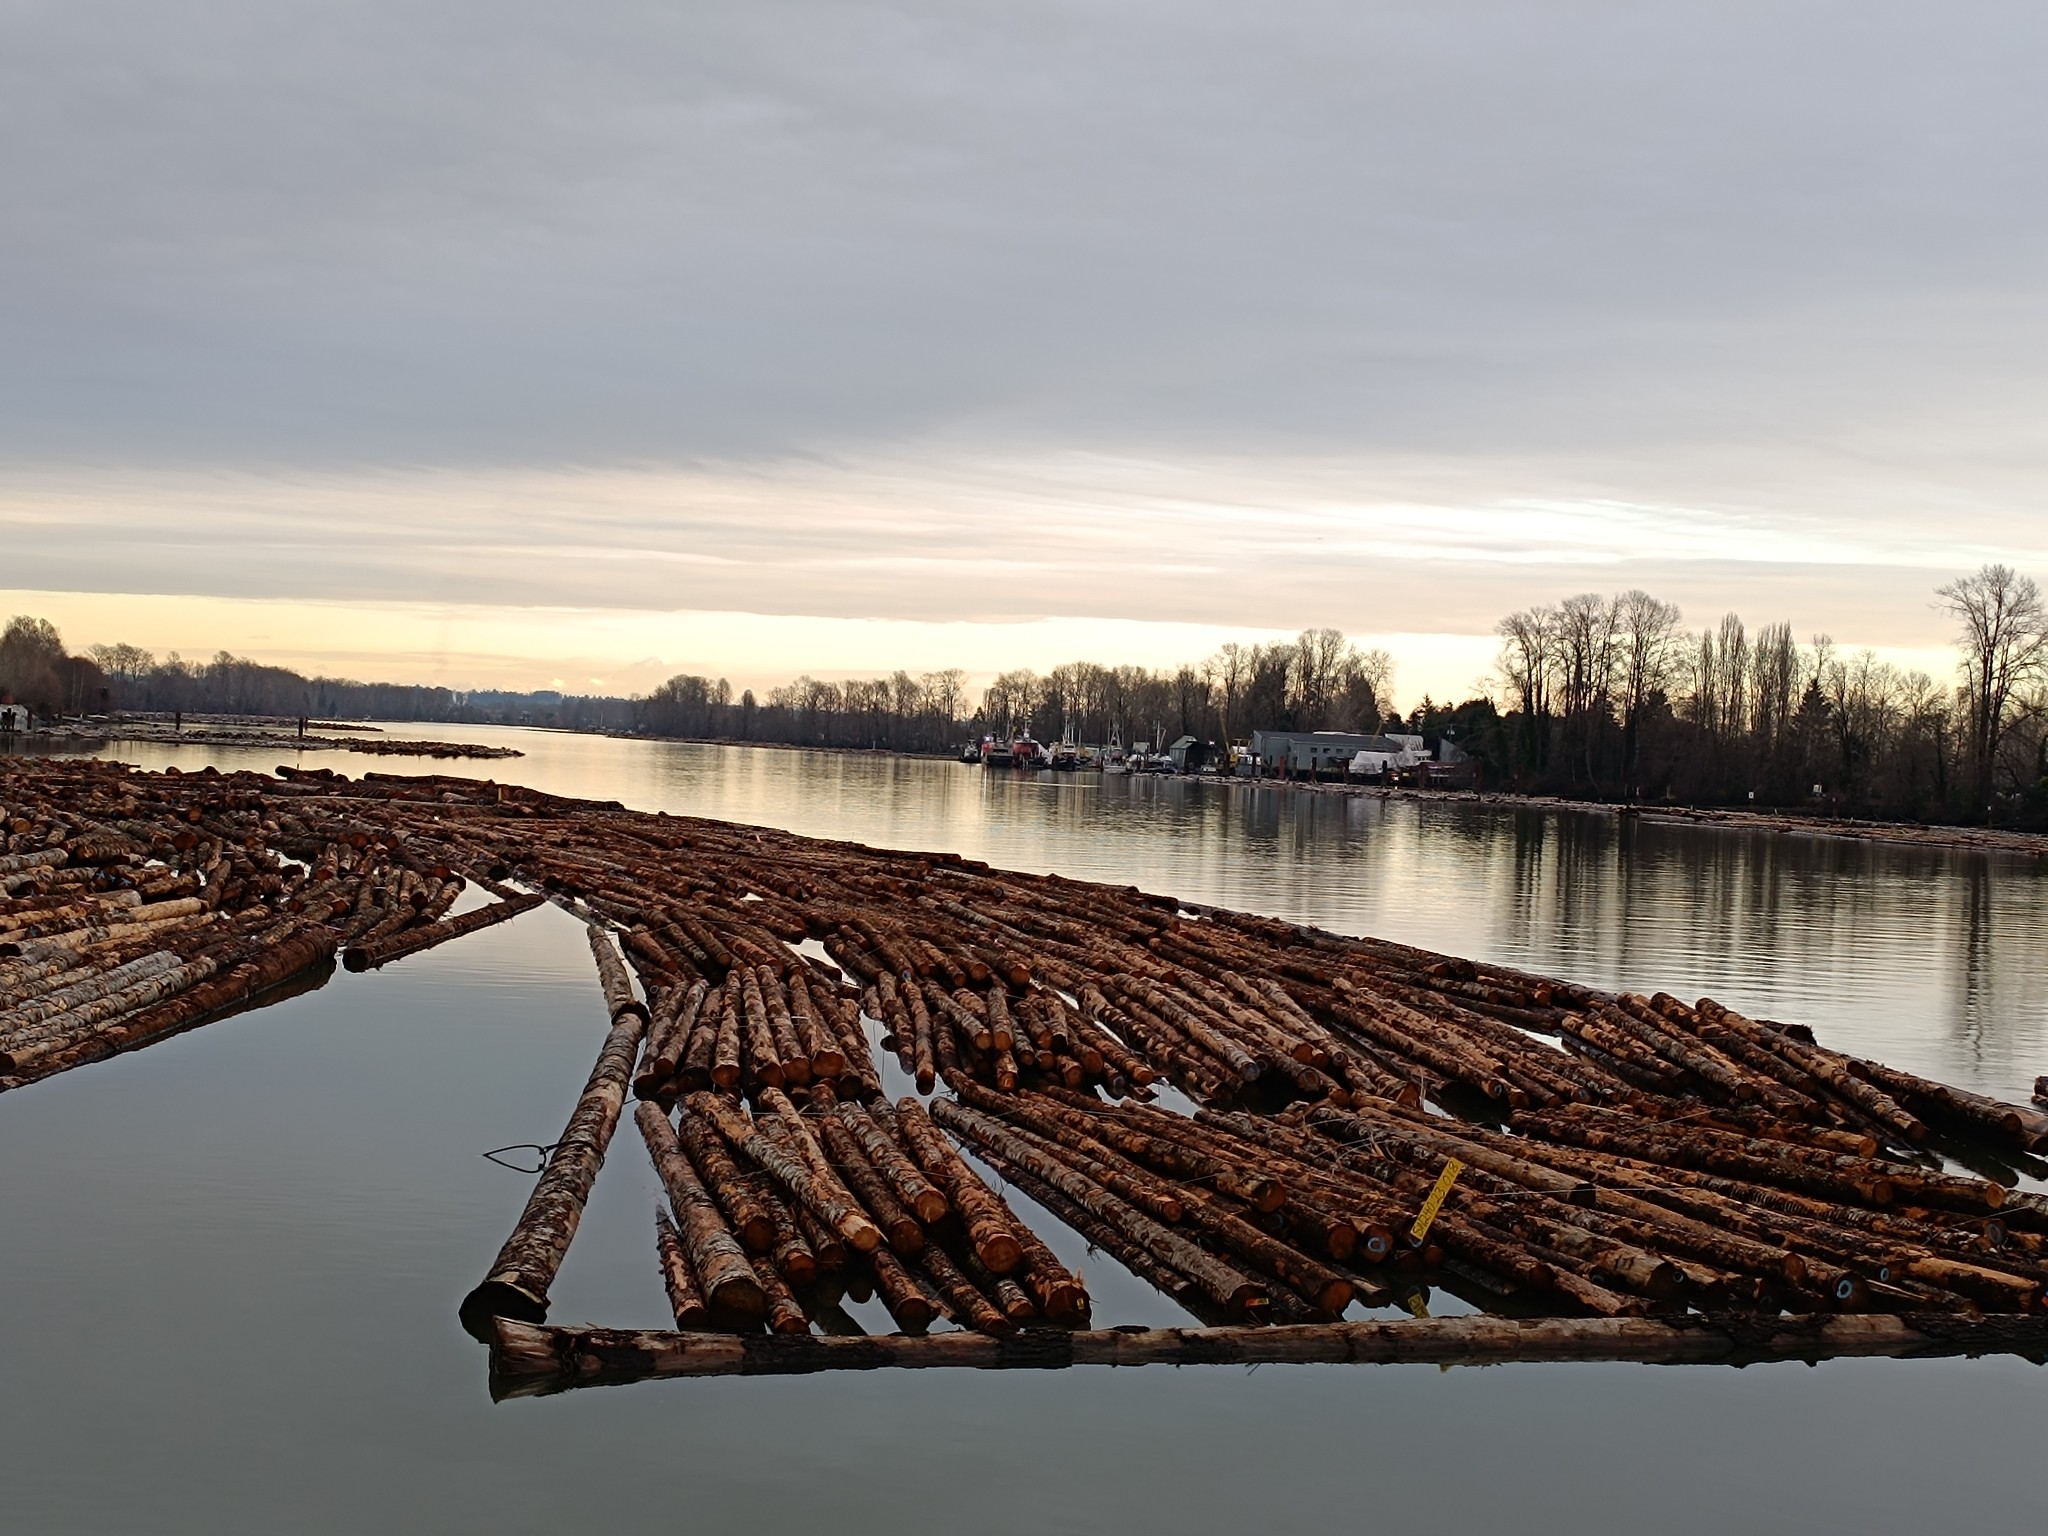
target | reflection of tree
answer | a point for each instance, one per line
(1978, 993)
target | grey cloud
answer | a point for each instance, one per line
(1772, 266)
(359, 232)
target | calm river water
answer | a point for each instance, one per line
(229, 1264)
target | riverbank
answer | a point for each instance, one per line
(1989, 839)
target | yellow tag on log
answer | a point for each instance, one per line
(1435, 1202)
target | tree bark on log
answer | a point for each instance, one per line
(685, 1298)
(989, 1226)
(746, 1212)
(396, 946)
(527, 1360)
(826, 1200)
(916, 1192)
(1223, 1283)
(668, 1037)
(725, 1274)
(613, 977)
(517, 1283)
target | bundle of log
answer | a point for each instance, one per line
(1271, 1124)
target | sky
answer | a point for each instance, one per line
(519, 344)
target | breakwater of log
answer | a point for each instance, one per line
(1351, 1120)
(258, 735)
(531, 1361)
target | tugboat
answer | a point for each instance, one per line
(971, 753)
(1025, 752)
(995, 754)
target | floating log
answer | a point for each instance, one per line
(725, 1275)
(989, 1227)
(396, 946)
(1660, 1145)
(824, 1198)
(2023, 1125)
(744, 1206)
(518, 1281)
(916, 1192)
(1223, 1284)
(613, 977)
(527, 1360)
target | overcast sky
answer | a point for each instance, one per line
(506, 342)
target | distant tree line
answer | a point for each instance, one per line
(1604, 697)
(1612, 697)
(1319, 681)
(36, 670)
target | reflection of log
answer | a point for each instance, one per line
(517, 1284)
(528, 1360)
(394, 946)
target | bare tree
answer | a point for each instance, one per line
(2003, 632)
(1528, 647)
(1648, 629)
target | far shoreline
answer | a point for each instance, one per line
(1732, 818)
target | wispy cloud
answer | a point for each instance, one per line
(1377, 315)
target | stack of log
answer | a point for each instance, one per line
(779, 1208)
(134, 907)
(781, 1211)
(1251, 1115)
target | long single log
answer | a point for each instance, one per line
(528, 1360)
(396, 946)
(517, 1282)
(725, 1050)
(613, 977)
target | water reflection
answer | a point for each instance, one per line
(1930, 958)
(230, 1263)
